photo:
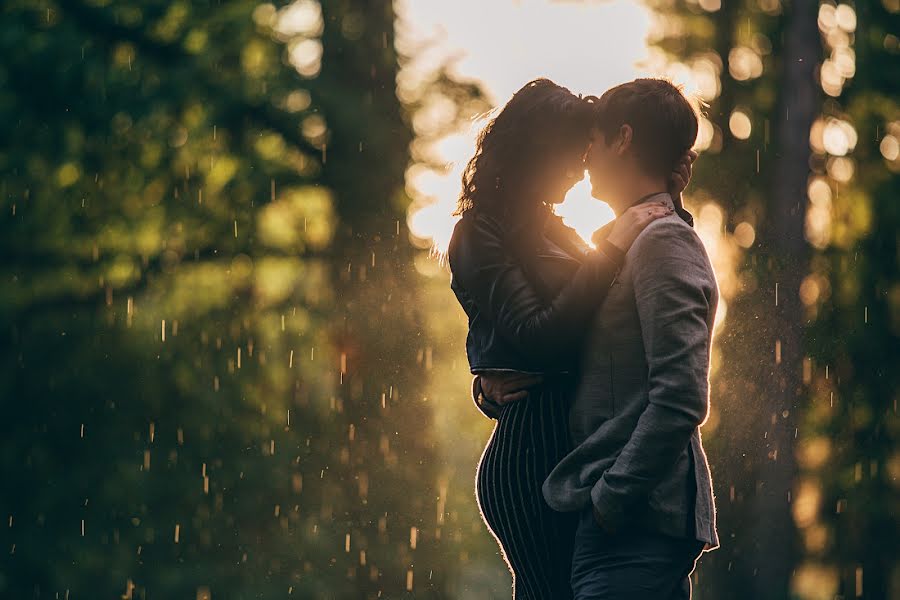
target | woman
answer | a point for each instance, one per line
(529, 286)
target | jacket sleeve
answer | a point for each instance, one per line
(675, 296)
(497, 283)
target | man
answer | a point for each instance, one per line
(638, 473)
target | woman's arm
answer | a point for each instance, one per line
(497, 283)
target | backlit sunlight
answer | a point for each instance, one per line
(585, 47)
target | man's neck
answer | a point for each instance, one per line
(637, 192)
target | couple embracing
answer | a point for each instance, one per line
(593, 361)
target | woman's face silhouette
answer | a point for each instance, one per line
(558, 172)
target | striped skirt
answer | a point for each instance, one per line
(530, 438)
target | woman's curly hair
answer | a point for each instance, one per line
(540, 119)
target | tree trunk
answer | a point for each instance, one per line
(785, 245)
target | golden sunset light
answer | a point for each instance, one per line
(587, 47)
(241, 358)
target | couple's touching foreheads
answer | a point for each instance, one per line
(593, 361)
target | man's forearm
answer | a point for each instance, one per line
(661, 434)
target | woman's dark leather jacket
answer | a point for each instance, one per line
(529, 292)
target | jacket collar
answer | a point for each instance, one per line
(666, 198)
(663, 197)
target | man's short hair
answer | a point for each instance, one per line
(664, 124)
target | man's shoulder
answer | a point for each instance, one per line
(667, 232)
(671, 239)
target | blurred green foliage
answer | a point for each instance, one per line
(805, 393)
(211, 355)
(855, 328)
(214, 342)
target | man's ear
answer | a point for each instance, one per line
(623, 140)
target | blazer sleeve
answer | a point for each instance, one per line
(675, 296)
(498, 285)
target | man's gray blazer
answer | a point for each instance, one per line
(643, 392)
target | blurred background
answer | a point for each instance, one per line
(230, 362)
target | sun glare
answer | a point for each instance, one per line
(587, 47)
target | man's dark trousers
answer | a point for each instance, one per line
(631, 565)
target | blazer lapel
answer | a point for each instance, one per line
(602, 233)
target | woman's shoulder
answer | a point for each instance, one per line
(477, 242)
(478, 221)
(473, 230)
